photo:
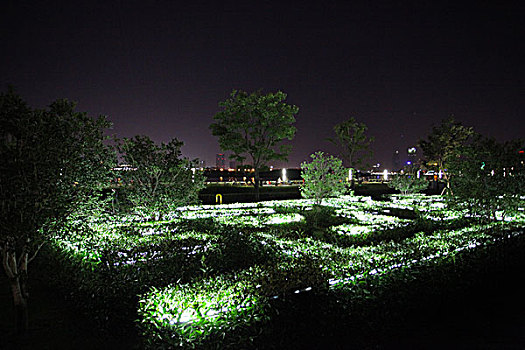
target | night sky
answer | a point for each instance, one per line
(160, 68)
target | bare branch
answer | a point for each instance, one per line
(36, 252)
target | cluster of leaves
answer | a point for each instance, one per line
(160, 179)
(489, 177)
(53, 161)
(253, 125)
(408, 183)
(354, 143)
(205, 312)
(442, 144)
(323, 177)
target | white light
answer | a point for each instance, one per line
(440, 173)
(385, 174)
(350, 174)
(285, 179)
(419, 174)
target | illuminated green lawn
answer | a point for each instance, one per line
(209, 272)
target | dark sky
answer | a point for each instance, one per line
(160, 68)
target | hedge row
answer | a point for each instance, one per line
(208, 275)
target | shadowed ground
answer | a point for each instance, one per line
(480, 307)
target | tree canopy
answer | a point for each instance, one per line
(351, 137)
(442, 143)
(489, 177)
(323, 177)
(408, 183)
(52, 161)
(160, 179)
(253, 125)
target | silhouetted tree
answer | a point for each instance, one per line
(253, 125)
(489, 177)
(52, 161)
(408, 183)
(161, 178)
(442, 144)
(353, 142)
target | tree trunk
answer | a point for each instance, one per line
(17, 275)
(257, 185)
(20, 303)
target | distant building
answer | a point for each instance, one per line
(220, 162)
(202, 164)
(233, 164)
(396, 162)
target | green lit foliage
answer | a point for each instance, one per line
(229, 309)
(53, 160)
(408, 183)
(489, 177)
(254, 125)
(351, 138)
(323, 177)
(213, 276)
(442, 144)
(161, 180)
(202, 313)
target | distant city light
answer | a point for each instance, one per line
(385, 175)
(285, 179)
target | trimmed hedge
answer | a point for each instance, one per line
(217, 275)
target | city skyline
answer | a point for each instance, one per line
(161, 68)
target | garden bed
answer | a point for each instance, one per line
(218, 274)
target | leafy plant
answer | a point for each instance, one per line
(323, 177)
(408, 183)
(489, 177)
(159, 179)
(442, 144)
(354, 143)
(254, 125)
(53, 161)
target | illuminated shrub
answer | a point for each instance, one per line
(408, 184)
(206, 311)
(228, 308)
(323, 177)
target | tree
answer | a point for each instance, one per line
(52, 160)
(351, 138)
(408, 183)
(489, 177)
(160, 179)
(323, 177)
(254, 125)
(442, 143)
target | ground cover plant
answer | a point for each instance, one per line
(208, 275)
